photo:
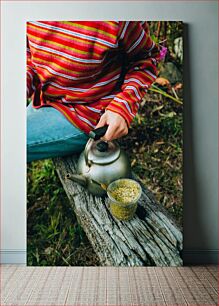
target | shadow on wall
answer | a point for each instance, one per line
(192, 225)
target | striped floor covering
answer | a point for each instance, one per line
(79, 286)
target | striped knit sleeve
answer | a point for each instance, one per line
(142, 57)
(31, 77)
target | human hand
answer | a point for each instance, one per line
(117, 126)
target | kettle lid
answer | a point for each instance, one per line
(102, 152)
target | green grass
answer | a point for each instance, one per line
(54, 238)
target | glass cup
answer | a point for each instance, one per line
(122, 207)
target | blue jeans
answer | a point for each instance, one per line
(50, 134)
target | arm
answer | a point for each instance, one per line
(142, 57)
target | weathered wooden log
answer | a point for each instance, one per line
(151, 238)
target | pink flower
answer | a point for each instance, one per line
(163, 52)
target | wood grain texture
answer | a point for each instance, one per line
(151, 238)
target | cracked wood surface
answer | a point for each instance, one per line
(151, 238)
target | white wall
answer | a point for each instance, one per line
(200, 131)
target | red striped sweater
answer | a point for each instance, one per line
(84, 68)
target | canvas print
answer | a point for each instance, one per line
(104, 143)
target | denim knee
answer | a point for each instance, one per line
(56, 148)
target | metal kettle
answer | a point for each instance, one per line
(100, 163)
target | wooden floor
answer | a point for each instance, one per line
(79, 286)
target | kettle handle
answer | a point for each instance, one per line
(98, 133)
(94, 135)
(86, 150)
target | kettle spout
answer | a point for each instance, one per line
(78, 178)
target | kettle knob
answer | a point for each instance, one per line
(102, 146)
